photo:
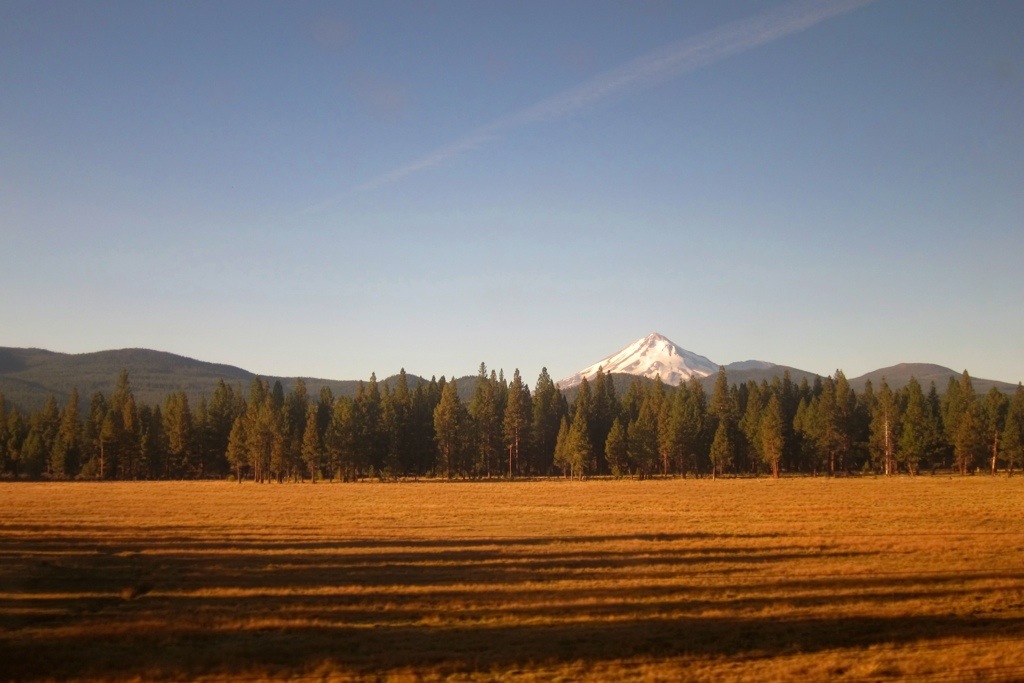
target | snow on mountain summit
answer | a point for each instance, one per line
(652, 356)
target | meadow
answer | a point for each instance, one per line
(748, 579)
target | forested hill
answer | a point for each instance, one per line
(897, 377)
(29, 376)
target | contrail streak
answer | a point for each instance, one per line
(643, 72)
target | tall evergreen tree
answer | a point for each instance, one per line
(885, 428)
(518, 412)
(181, 439)
(616, 449)
(643, 439)
(995, 407)
(956, 402)
(750, 423)
(969, 439)
(548, 411)
(264, 433)
(424, 449)
(917, 428)
(237, 453)
(45, 426)
(771, 438)
(370, 438)
(400, 448)
(845, 416)
(605, 411)
(1013, 431)
(223, 408)
(342, 454)
(312, 447)
(579, 450)
(6, 459)
(448, 429)
(721, 449)
(294, 420)
(153, 444)
(487, 428)
(723, 410)
(562, 456)
(67, 450)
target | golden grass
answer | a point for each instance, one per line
(811, 579)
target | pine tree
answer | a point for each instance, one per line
(293, 421)
(16, 431)
(969, 438)
(723, 410)
(370, 438)
(90, 435)
(264, 432)
(1013, 431)
(616, 449)
(666, 437)
(67, 449)
(955, 404)
(223, 408)
(917, 430)
(825, 424)
(424, 446)
(312, 448)
(605, 411)
(517, 423)
(448, 426)
(325, 408)
(124, 430)
(722, 407)
(341, 449)
(750, 423)
(487, 434)
(237, 453)
(400, 427)
(107, 437)
(548, 411)
(996, 405)
(34, 450)
(181, 439)
(6, 460)
(721, 449)
(885, 428)
(643, 440)
(46, 425)
(562, 456)
(153, 444)
(771, 439)
(580, 451)
(845, 420)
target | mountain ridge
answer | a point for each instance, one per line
(28, 376)
(652, 356)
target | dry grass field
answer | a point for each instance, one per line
(809, 579)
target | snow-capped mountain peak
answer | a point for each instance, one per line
(652, 356)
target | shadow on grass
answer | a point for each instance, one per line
(164, 606)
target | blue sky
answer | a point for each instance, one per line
(330, 189)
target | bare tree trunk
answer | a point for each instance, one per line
(995, 451)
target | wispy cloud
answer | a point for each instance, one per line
(643, 72)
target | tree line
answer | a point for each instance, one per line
(393, 430)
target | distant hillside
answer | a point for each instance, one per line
(29, 376)
(756, 371)
(898, 376)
